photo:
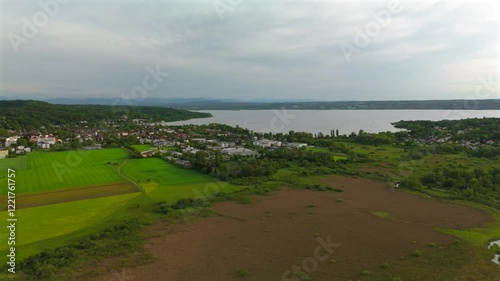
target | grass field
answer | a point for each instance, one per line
(34, 199)
(164, 173)
(336, 156)
(168, 182)
(142, 147)
(42, 171)
(59, 222)
(51, 221)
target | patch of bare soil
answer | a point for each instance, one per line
(265, 239)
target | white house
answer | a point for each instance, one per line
(267, 143)
(11, 140)
(46, 142)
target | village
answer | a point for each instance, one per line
(177, 144)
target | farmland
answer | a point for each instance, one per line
(105, 192)
(44, 171)
(141, 147)
(61, 211)
(166, 182)
(58, 220)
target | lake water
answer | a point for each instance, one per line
(315, 121)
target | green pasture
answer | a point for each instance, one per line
(162, 172)
(52, 221)
(39, 171)
(336, 156)
(142, 147)
(164, 181)
(54, 225)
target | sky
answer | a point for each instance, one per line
(250, 49)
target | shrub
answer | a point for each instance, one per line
(242, 273)
(416, 253)
(366, 273)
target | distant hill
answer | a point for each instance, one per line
(31, 114)
(344, 105)
(236, 104)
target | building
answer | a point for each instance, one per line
(46, 141)
(296, 145)
(267, 143)
(4, 154)
(11, 140)
(148, 153)
(239, 151)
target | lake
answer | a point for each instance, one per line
(315, 121)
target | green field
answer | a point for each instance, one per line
(160, 171)
(142, 147)
(336, 156)
(40, 171)
(54, 225)
(51, 221)
(168, 182)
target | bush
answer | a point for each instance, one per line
(416, 253)
(385, 265)
(319, 187)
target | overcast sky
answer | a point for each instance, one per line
(247, 49)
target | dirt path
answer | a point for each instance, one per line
(141, 189)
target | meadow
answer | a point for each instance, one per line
(44, 171)
(59, 222)
(141, 147)
(38, 224)
(163, 181)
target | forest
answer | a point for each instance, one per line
(33, 115)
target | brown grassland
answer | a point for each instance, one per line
(378, 228)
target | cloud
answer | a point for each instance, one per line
(274, 49)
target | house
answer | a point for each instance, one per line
(176, 154)
(239, 151)
(296, 144)
(198, 140)
(4, 154)
(148, 153)
(267, 143)
(46, 141)
(43, 145)
(224, 144)
(11, 140)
